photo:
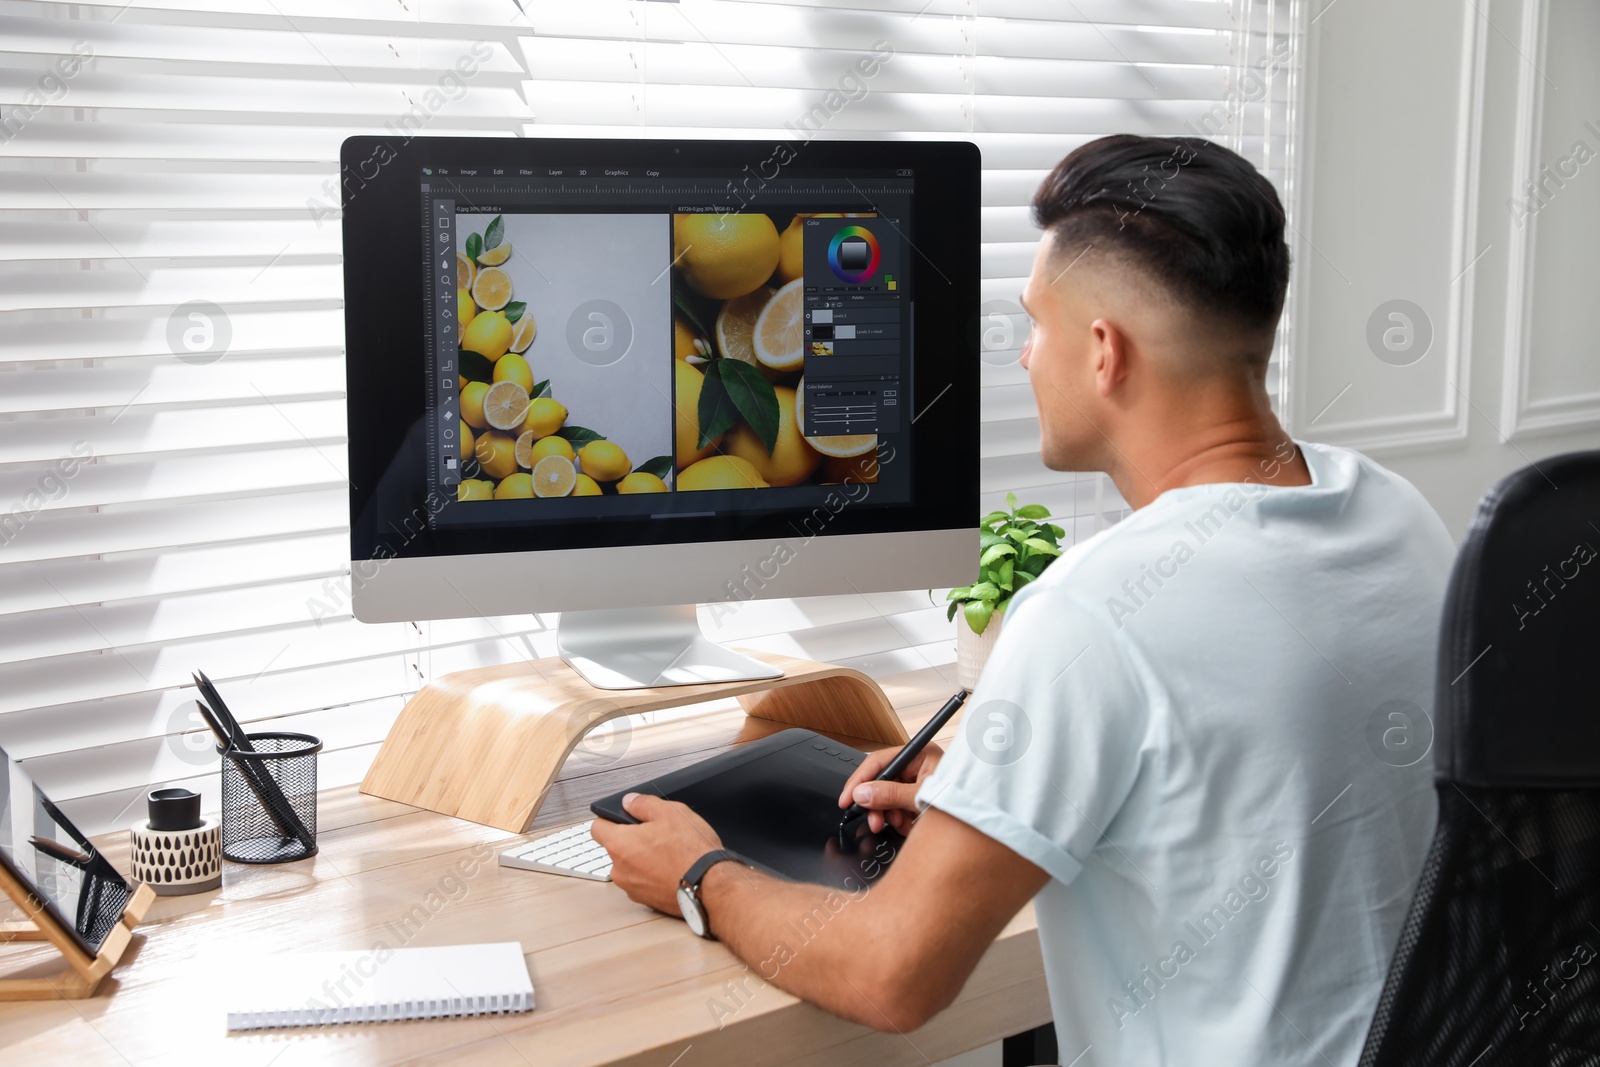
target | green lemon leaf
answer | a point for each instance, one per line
(541, 389)
(660, 466)
(515, 309)
(753, 396)
(578, 436)
(494, 234)
(476, 368)
(717, 412)
(474, 246)
(686, 307)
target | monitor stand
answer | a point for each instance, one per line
(647, 648)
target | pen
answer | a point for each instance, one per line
(912, 750)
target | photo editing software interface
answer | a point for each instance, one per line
(613, 342)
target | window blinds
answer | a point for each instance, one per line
(172, 489)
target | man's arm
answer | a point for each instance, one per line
(890, 956)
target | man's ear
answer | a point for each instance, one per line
(1109, 356)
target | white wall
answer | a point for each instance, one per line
(1423, 121)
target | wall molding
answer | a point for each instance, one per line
(1445, 425)
(1521, 416)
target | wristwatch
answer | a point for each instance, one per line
(694, 912)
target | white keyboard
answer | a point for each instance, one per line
(571, 851)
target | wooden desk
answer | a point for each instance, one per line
(615, 982)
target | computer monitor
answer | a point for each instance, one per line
(620, 378)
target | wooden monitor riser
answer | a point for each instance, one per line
(486, 744)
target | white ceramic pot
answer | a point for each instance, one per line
(972, 650)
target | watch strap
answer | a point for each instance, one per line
(698, 870)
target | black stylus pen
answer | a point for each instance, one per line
(913, 749)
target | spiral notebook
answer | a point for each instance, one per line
(319, 988)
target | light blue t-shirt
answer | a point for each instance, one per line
(1210, 725)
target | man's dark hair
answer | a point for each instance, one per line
(1194, 216)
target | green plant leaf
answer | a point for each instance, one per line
(1036, 564)
(717, 413)
(541, 389)
(992, 518)
(515, 309)
(1011, 501)
(977, 615)
(984, 591)
(952, 612)
(476, 368)
(999, 551)
(1038, 544)
(753, 396)
(686, 307)
(1020, 578)
(1001, 605)
(494, 234)
(1003, 574)
(660, 466)
(987, 539)
(578, 436)
(1056, 531)
(474, 246)
(960, 594)
(1033, 511)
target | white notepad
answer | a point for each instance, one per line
(318, 988)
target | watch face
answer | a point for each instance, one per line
(692, 912)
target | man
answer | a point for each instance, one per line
(1189, 746)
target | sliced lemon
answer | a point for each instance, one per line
(497, 454)
(736, 329)
(586, 486)
(522, 332)
(513, 368)
(492, 288)
(780, 333)
(465, 272)
(720, 472)
(641, 482)
(496, 255)
(505, 405)
(554, 476)
(546, 415)
(604, 461)
(514, 487)
(472, 404)
(839, 446)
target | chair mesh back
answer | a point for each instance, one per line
(1499, 960)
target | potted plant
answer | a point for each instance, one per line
(1014, 548)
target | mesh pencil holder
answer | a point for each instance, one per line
(269, 798)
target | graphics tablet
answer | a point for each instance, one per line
(775, 802)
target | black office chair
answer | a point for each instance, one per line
(1498, 963)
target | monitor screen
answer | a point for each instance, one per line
(584, 343)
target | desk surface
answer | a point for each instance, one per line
(615, 982)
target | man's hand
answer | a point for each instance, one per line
(891, 802)
(648, 859)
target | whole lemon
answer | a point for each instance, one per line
(515, 486)
(604, 461)
(725, 255)
(472, 404)
(687, 424)
(553, 446)
(474, 489)
(513, 368)
(790, 249)
(792, 461)
(720, 472)
(466, 307)
(497, 454)
(545, 416)
(466, 439)
(586, 486)
(641, 482)
(488, 334)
